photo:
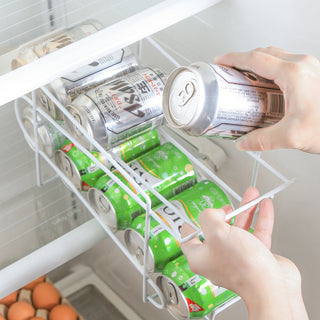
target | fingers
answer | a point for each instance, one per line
(244, 219)
(192, 244)
(265, 62)
(213, 224)
(264, 226)
(270, 138)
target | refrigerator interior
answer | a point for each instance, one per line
(32, 217)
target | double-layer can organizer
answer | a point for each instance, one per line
(134, 196)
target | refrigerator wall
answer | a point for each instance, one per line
(35, 216)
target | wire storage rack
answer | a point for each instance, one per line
(156, 296)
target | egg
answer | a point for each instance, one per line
(45, 296)
(20, 310)
(2, 318)
(63, 312)
(31, 285)
(35, 318)
(10, 299)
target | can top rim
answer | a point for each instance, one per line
(131, 235)
(109, 217)
(75, 178)
(190, 92)
(179, 95)
(180, 310)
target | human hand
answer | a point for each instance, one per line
(298, 77)
(233, 258)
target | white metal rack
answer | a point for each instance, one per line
(96, 230)
(156, 298)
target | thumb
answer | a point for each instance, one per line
(273, 137)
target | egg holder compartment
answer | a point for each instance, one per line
(25, 295)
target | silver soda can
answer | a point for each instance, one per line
(120, 109)
(213, 100)
(71, 85)
(50, 138)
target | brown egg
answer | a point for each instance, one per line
(63, 312)
(35, 318)
(31, 285)
(10, 299)
(20, 311)
(45, 296)
(2, 318)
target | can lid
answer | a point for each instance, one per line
(90, 118)
(27, 120)
(135, 244)
(47, 104)
(45, 141)
(176, 302)
(67, 166)
(181, 97)
(104, 208)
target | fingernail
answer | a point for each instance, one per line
(242, 143)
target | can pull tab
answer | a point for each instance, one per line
(186, 93)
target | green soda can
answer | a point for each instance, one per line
(78, 167)
(163, 247)
(188, 295)
(165, 168)
(135, 147)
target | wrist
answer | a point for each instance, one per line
(267, 299)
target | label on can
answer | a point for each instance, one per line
(129, 101)
(190, 294)
(164, 168)
(254, 103)
(95, 66)
(88, 171)
(190, 203)
(99, 71)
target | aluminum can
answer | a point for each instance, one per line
(188, 295)
(120, 109)
(71, 85)
(213, 100)
(166, 169)
(50, 138)
(78, 167)
(137, 146)
(163, 247)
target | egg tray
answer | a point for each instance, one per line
(25, 294)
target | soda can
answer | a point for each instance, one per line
(71, 85)
(120, 109)
(50, 138)
(137, 146)
(163, 247)
(213, 100)
(188, 295)
(78, 167)
(165, 168)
